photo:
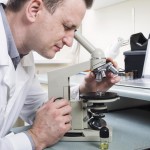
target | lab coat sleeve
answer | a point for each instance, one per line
(74, 90)
(36, 98)
(15, 142)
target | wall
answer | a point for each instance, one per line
(103, 26)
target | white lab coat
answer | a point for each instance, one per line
(20, 94)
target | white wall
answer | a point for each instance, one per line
(102, 26)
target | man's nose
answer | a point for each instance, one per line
(68, 39)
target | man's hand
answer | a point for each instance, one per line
(91, 85)
(52, 121)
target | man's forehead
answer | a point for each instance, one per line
(71, 10)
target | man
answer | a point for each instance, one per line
(44, 26)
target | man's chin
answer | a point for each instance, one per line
(49, 56)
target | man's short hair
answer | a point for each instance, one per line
(51, 5)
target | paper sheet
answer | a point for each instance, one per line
(146, 68)
(140, 83)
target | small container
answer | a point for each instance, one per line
(135, 74)
(104, 138)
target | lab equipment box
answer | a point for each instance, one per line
(134, 62)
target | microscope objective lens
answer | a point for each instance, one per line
(98, 92)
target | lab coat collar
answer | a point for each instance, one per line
(28, 60)
(4, 60)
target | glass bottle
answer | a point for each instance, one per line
(104, 138)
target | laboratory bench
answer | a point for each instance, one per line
(130, 131)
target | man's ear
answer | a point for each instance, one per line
(33, 9)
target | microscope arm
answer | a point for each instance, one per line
(98, 60)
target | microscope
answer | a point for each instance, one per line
(87, 113)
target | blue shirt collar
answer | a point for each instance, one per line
(12, 50)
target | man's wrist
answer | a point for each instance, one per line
(38, 143)
(30, 139)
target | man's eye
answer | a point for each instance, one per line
(66, 27)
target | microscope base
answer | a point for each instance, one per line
(82, 135)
